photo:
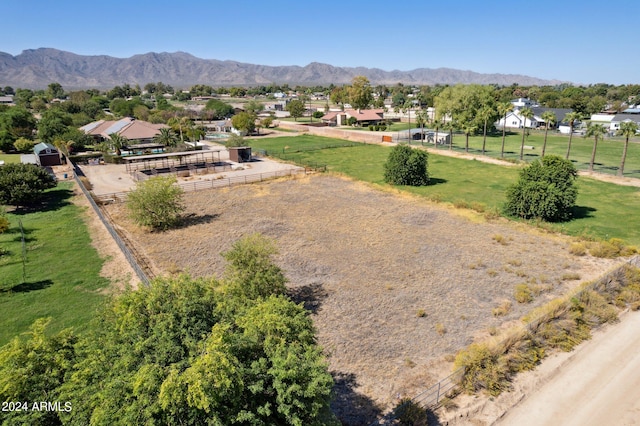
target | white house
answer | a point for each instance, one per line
(514, 119)
(614, 126)
(523, 102)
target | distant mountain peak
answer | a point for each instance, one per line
(37, 68)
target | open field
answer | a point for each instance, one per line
(395, 283)
(62, 269)
(604, 210)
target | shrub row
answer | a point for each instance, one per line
(561, 324)
(377, 127)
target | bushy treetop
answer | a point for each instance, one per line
(23, 184)
(406, 166)
(545, 190)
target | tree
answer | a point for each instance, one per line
(23, 184)
(24, 145)
(234, 141)
(15, 122)
(339, 96)
(486, 113)
(627, 129)
(173, 353)
(64, 148)
(571, 118)
(267, 122)
(597, 131)
(545, 190)
(180, 125)
(250, 271)
(421, 120)
(116, 142)
(406, 166)
(549, 118)
(156, 203)
(253, 107)
(55, 90)
(296, 108)
(34, 369)
(166, 137)
(504, 109)
(54, 123)
(526, 114)
(468, 128)
(360, 92)
(244, 122)
(219, 108)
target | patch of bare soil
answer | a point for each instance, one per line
(394, 283)
(116, 268)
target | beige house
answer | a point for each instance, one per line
(364, 117)
(134, 130)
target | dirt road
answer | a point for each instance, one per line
(597, 386)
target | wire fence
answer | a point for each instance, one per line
(119, 197)
(529, 152)
(429, 399)
(127, 249)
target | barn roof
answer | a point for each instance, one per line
(42, 146)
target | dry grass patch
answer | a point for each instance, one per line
(364, 262)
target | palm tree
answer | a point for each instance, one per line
(571, 118)
(549, 117)
(421, 119)
(117, 142)
(526, 114)
(468, 128)
(485, 115)
(627, 129)
(597, 131)
(166, 137)
(435, 122)
(64, 148)
(504, 109)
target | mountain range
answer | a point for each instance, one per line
(37, 68)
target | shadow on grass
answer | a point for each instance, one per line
(194, 219)
(53, 199)
(582, 212)
(351, 407)
(436, 181)
(25, 231)
(311, 295)
(27, 287)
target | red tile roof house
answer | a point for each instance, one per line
(363, 117)
(134, 130)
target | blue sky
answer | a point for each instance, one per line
(583, 42)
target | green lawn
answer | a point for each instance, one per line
(604, 210)
(10, 158)
(62, 269)
(608, 154)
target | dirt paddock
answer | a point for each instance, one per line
(395, 284)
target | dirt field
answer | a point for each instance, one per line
(368, 264)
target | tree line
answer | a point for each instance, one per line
(182, 351)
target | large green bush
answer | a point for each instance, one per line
(545, 190)
(406, 166)
(23, 184)
(156, 203)
(173, 353)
